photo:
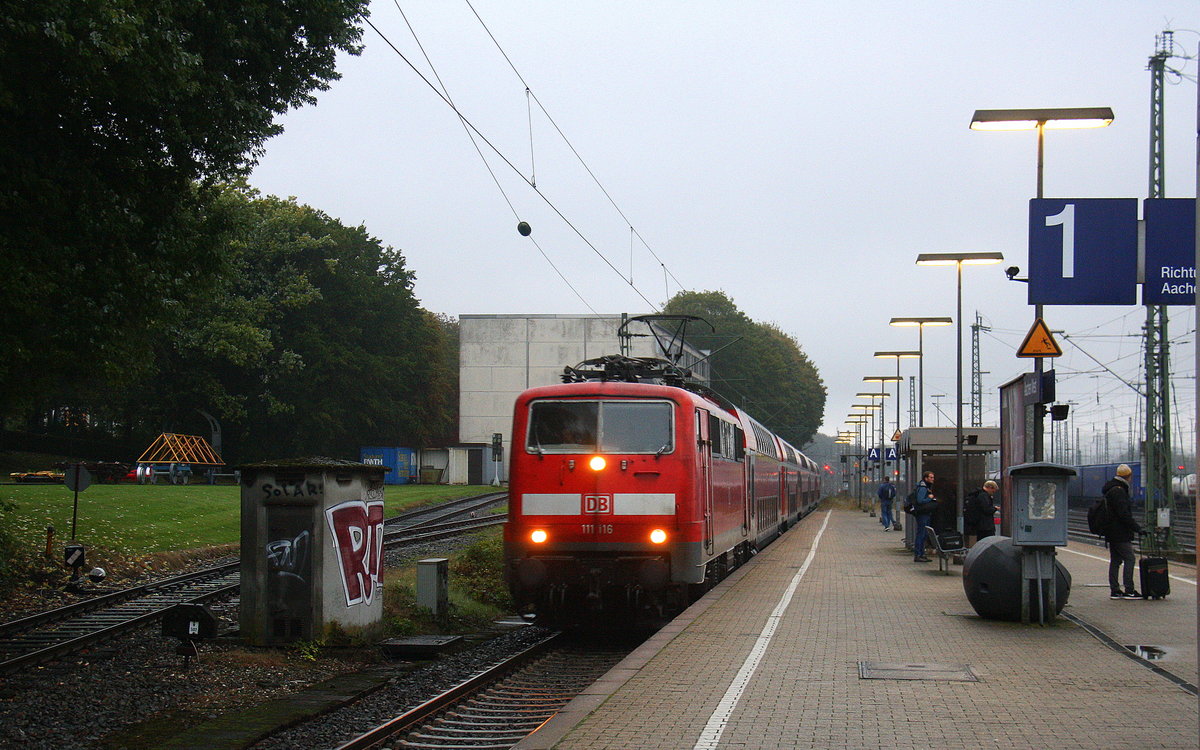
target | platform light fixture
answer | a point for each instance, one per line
(1042, 119)
(898, 355)
(920, 323)
(883, 380)
(958, 260)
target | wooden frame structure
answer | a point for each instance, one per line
(170, 448)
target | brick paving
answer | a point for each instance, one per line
(863, 599)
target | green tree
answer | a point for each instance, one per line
(761, 368)
(116, 117)
(313, 342)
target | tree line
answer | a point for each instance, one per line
(756, 365)
(141, 280)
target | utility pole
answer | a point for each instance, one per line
(976, 373)
(912, 402)
(1156, 463)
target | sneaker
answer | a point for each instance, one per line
(885, 528)
(1132, 594)
(921, 559)
(1116, 595)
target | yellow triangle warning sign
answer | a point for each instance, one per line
(896, 436)
(1039, 342)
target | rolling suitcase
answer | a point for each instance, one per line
(1155, 582)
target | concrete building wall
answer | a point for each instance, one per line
(502, 355)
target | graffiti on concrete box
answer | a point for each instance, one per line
(357, 527)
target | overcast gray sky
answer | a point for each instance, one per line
(797, 156)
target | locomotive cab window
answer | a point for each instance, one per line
(600, 426)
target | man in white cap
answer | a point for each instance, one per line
(1120, 530)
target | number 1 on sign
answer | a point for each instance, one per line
(1066, 219)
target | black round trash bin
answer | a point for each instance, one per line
(992, 581)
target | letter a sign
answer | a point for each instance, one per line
(1039, 342)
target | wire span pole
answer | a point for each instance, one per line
(1156, 466)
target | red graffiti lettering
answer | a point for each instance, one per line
(357, 528)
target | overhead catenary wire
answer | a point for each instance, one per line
(508, 162)
(445, 92)
(570, 145)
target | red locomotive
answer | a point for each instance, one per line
(629, 498)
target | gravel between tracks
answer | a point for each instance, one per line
(81, 700)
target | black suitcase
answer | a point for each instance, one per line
(1155, 582)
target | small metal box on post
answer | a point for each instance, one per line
(1039, 524)
(433, 585)
(312, 549)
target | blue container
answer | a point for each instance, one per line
(400, 461)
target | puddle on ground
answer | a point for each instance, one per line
(1149, 653)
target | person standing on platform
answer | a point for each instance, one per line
(1121, 529)
(979, 512)
(886, 493)
(923, 508)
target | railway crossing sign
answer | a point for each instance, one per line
(1039, 342)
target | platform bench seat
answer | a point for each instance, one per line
(949, 547)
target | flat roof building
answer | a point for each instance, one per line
(502, 355)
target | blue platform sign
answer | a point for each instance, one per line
(1083, 251)
(873, 454)
(1170, 276)
(890, 454)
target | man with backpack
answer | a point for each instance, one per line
(1120, 528)
(979, 512)
(886, 494)
(923, 506)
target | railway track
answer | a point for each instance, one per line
(499, 707)
(55, 633)
(1184, 527)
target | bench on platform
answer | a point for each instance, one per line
(949, 547)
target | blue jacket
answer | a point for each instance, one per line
(886, 491)
(924, 494)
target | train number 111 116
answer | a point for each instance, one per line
(597, 528)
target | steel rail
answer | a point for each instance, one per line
(104, 608)
(416, 715)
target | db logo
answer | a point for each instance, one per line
(597, 504)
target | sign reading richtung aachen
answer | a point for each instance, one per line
(1086, 251)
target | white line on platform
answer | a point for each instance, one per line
(711, 735)
(1105, 559)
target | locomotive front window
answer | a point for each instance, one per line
(563, 426)
(600, 426)
(633, 427)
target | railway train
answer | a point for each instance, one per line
(632, 491)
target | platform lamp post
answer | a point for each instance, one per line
(868, 410)
(897, 356)
(883, 395)
(859, 420)
(1041, 120)
(920, 323)
(958, 260)
(879, 405)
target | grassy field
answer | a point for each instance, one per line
(140, 519)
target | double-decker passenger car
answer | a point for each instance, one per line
(631, 498)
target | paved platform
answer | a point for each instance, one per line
(771, 659)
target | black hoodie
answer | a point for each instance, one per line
(1121, 525)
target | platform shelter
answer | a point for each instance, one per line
(933, 449)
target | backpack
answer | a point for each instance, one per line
(910, 502)
(1097, 516)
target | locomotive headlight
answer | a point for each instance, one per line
(539, 536)
(597, 463)
(658, 536)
